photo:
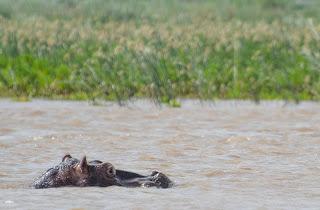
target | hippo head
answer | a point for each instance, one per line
(102, 174)
(70, 171)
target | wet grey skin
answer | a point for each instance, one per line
(156, 179)
(104, 174)
(72, 172)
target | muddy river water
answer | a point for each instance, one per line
(221, 155)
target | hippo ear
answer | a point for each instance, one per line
(66, 156)
(83, 165)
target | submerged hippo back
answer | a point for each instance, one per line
(47, 179)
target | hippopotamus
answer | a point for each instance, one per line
(74, 172)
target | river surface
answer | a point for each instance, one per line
(221, 155)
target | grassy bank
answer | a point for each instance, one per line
(204, 49)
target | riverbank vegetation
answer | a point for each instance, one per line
(169, 49)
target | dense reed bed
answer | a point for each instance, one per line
(165, 50)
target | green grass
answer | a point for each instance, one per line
(115, 50)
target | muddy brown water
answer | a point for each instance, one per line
(222, 155)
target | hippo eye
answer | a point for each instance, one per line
(111, 171)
